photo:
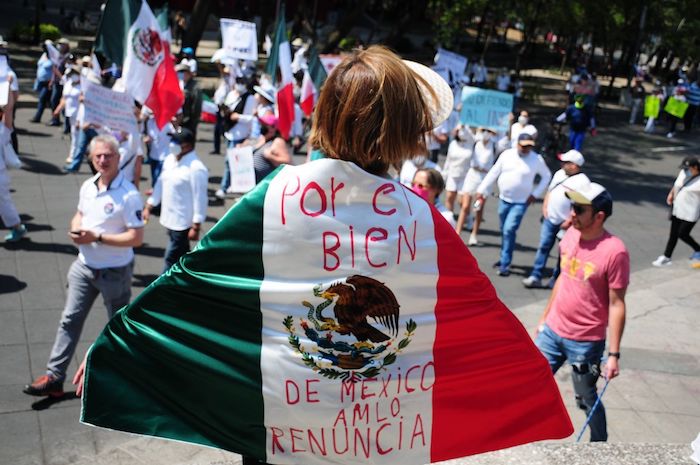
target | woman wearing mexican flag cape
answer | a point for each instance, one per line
(332, 315)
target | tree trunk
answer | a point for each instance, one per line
(198, 22)
(480, 28)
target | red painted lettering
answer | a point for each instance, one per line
(385, 384)
(380, 449)
(364, 394)
(408, 373)
(431, 378)
(284, 194)
(395, 407)
(418, 430)
(292, 397)
(296, 438)
(330, 251)
(384, 189)
(359, 412)
(321, 445)
(309, 392)
(276, 434)
(376, 411)
(411, 250)
(375, 235)
(364, 442)
(335, 443)
(322, 196)
(334, 190)
(352, 246)
(341, 418)
(347, 388)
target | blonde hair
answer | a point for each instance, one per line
(371, 111)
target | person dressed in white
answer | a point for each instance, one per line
(459, 154)
(157, 141)
(409, 168)
(515, 171)
(684, 199)
(131, 151)
(483, 158)
(181, 191)
(522, 126)
(503, 80)
(69, 105)
(556, 210)
(435, 139)
(480, 73)
(8, 211)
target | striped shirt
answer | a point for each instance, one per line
(693, 94)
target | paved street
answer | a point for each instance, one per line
(656, 400)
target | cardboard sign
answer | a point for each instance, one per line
(330, 61)
(652, 105)
(485, 108)
(239, 39)
(106, 107)
(240, 162)
(676, 107)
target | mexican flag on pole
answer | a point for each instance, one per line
(209, 110)
(131, 37)
(281, 57)
(312, 82)
(331, 316)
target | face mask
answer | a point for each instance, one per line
(75, 79)
(421, 191)
(174, 148)
(485, 136)
(180, 76)
(522, 120)
(462, 134)
(420, 160)
(240, 88)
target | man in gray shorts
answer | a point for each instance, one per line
(106, 227)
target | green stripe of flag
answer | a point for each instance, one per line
(279, 38)
(316, 69)
(208, 321)
(112, 33)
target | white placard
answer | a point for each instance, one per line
(450, 63)
(239, 39)
(330, 61)
(240, 162)
(4, 83)
(106, 107)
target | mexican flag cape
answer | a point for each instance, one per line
(331, 316)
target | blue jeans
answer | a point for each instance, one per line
(84, 138)
(156, 168)
(509, 215)
(584, 358)
(44, 97)
(56, 93)
(576, 139)
(548, 235)
(178, 246)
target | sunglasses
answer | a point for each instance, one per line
(578, 209)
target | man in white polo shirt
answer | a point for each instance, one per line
(556, 210)
(181, 190)
(515, 171)
(106, 227)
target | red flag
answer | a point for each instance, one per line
(308, 94)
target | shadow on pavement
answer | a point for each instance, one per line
(30, 246)
(10, 284)
(47, 402)
(42, 167)
(150, 251)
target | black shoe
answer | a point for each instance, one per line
(66, 169)
(55, 123)
(505, 272)
(496, 265)
(45, 385)
(34, 120)
(214, 152)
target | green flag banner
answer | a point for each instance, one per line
(331, 316)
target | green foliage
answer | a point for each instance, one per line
(25, 32)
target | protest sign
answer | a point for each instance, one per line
(450, 66)
(239, 39)
(676, 107)
(240, 162)
(4, 83)
(652, 105)
(106, 107)
(485, 108)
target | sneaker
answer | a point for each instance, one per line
(16, 234)
(496, 265)
(662, 261)
(531, 282)
(473, 241)
(505, 272)
(220, 194)
(45, 385)
(695, 256)
(670, 135)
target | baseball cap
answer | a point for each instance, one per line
(182, 135)
(441, 104)
(188, 50)
(574, 156)
(595, 195)
(525, 139)
(690, 161)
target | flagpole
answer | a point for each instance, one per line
(277, 12)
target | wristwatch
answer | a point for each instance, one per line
(614, 354)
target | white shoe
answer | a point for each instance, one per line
(220, 194)
(473, 241)
(670, 135)
(531, 281)
(663, 260)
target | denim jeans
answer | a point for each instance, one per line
(84, 138)
(576, 139)
(56, 94)
(84, 285)
(156, 168)
(584, 357)
(548, 235)
(44, 97)
(178, 246)
(510, 215)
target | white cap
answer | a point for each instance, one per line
(574, 156)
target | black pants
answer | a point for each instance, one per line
(178, 246)
(680, 229)
(689, 117)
